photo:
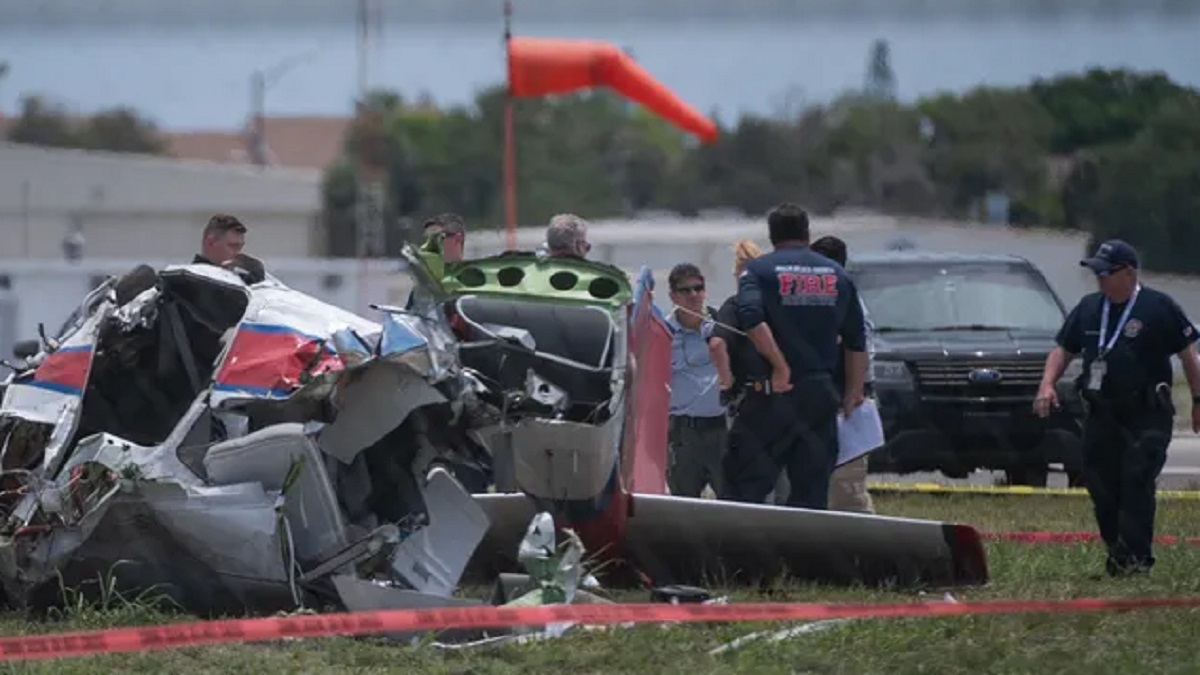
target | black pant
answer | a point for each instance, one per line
(1124, 451)
(795, 431)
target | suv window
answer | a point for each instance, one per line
(943, 296)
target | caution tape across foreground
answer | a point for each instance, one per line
(1076, 538)
(151, 638)
(938, 488)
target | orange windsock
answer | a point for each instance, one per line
(542, 66)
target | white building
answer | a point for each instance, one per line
(138, 206)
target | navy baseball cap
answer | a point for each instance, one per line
(1111, 255)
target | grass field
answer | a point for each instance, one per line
(1155, 641)
(1160, 641)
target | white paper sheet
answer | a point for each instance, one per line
(860, 433)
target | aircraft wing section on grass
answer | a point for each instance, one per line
(719, 543)
(705, 541)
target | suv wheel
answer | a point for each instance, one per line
(1028, 475)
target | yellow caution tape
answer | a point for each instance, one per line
(938, 488)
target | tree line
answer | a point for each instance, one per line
(1110, 152)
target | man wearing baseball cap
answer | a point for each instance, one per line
(1126, 333)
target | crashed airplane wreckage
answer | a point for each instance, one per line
(209, 434)
(240, 445)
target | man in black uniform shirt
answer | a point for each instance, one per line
(1126, 333)
(224, 237)
(793, 305)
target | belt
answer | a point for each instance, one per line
(698, 422)
(759, 386)
(1138, 399)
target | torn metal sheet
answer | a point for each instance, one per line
(370, 402)
(358, 595)
(240, 447)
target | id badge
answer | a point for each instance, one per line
(1096, 375)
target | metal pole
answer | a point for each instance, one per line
(364, 24)
(26, 244)
(258, 141)
(510, 157)
(260, 82)
(360, 203)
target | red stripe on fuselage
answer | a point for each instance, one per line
(65, 369)
(272, 359)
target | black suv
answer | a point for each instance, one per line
(960, 344)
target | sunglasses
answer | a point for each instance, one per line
(698, 288)
(1109, 273)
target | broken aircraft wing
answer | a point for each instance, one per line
(677, 540)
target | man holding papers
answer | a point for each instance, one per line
(862, 431)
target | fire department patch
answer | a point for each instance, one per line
(1133, 328)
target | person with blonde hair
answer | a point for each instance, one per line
(738, 364)
(726, 336)
(744, 251)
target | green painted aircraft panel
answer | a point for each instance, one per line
(521, 274)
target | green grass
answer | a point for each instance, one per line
(1153, 641)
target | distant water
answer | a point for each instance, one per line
(192, 77)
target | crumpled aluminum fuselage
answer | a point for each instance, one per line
(236, 447)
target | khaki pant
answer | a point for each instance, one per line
(848, 488)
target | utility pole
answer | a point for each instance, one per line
(260, 81)
(369, 228)
(510, 139)
(256, 142)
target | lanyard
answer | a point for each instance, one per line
(1105, 348)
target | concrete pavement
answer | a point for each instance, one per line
(1182, 471)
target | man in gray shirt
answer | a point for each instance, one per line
(698, 427)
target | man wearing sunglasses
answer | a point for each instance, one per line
(1126, 333)
(448, 232)
(697, 430)
(453, 232)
